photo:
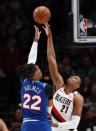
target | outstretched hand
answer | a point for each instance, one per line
(37, 33)
(55, 125)
(47, 29)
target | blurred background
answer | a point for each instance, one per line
(16, 37)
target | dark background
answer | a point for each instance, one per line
(16, 37)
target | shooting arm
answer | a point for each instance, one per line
(33, 53)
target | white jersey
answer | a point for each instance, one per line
(62, 106)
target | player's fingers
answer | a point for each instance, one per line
(40, 32)
(44, 28)
(36, 28)
(46, 24)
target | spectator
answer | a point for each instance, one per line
(90, 120)
(16, 125)
(10, 57)
(86, 87)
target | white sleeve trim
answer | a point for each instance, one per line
(72, 124)
(32, 58)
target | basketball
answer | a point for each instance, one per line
(41, 15)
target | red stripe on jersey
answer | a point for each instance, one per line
(54, 110)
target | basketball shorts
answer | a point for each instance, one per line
(36, 126)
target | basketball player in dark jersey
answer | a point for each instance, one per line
(34, 94)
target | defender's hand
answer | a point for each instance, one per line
(37, 33)
(47, 29)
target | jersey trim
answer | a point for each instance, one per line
(28, 119)
(57, 115)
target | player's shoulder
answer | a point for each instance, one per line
(24, 82)
(78, 97)
(3, 125)
(1, 122)
(40, 83)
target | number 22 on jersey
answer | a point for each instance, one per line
(33, 106)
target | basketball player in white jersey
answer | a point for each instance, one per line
(67, 102)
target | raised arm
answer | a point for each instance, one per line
(33, 51)
(56, 77)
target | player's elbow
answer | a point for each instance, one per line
(59, 83)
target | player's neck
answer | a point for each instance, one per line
(67, 90)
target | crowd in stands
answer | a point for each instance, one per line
(16, 35)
